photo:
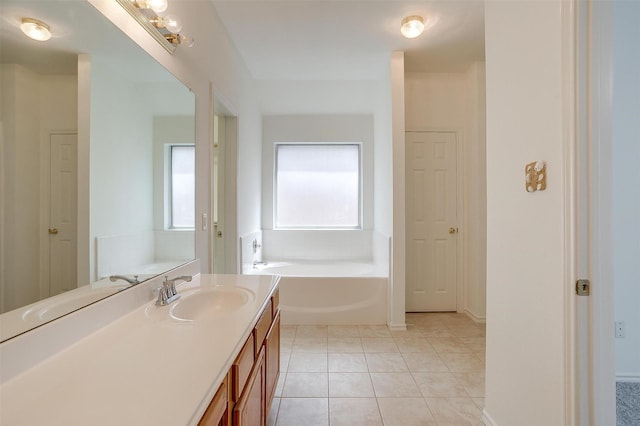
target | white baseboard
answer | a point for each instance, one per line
(397, 327)
(474, 317)
(486, 418)
(628, 377)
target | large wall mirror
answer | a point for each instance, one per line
(96, 164)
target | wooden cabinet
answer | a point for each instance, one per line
(217, 413)
(250, 408)
(272, 360)
(251, 382)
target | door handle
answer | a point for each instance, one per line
(453, 230)
(53, 231)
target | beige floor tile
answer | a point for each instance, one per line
(374, 331)
(467, 331)
(347, 363)
(350, 385)
(440, 331)
(280, 384)
(473, 383)
(447, 345)
(479, 402)
(306, 385)
(310, 344)
(286, 343)
(482, 356)
(303, 411)
(344, 344)
(413, 344)
(305, 331)
(285, 356)
(386, 363)
(308, 362)
(343, 331)
(389, 385)
(458, 362)
(455, 411)
(273, 412)
(379, 344)
(425, 361)
(405, 412)
(288, 331)
(439, 385)
(354, 412)
(411, 331)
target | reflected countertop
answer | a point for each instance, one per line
(140, 369)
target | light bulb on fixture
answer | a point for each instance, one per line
(35, 29)
(412, 26)
(158, 6)
(169, 22)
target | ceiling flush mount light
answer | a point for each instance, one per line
(35, 29)
(412, 26)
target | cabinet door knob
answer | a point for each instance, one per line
(453, 230)
(53, 231)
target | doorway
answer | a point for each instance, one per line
(60, 249)
(431, 221)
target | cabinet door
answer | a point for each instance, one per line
(249, 411)
(272, 360)
(217, 413)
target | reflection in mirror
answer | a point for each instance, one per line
(89, 123)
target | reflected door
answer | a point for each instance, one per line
(62, 212)
(431, 215)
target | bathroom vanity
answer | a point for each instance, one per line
(210, 358)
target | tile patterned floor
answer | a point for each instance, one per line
(431, 374)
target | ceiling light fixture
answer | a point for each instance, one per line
(35, 29)
(166, 29)
(412, 26)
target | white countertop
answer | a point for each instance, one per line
(143, 369)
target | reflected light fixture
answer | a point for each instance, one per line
(35, 29)
(158, 6)
(412, 26)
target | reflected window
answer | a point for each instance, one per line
(183, 192)
(317, 185)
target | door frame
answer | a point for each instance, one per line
(461, 218)
(45, 205)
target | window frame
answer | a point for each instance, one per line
(359, 226)
(169, 187)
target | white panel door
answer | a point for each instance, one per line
(62, 213)
(431, 215)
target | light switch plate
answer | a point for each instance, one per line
(535, 176)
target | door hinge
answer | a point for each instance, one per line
(583, 287)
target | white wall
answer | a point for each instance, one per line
(32, 106)
(121, 157)
(456, 102)
(526, 290)
(626, 185)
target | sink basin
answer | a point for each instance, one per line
(210, 303)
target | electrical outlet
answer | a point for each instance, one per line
(619, 329)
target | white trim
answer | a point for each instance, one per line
(628, 378)
(486, 418)
(397, 327)
(474, 317)
(572, 380)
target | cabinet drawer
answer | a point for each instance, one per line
(241, 368)
(275, 302)
(217, 409)
(262, 327)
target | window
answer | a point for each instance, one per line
(317, 185)
(182, 186)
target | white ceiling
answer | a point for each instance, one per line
(351, 39)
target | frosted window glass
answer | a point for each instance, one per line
(318, 186)
(183, 191)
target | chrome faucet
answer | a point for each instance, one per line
(133, 281)
(168, 293)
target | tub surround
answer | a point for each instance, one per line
(143, 368)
